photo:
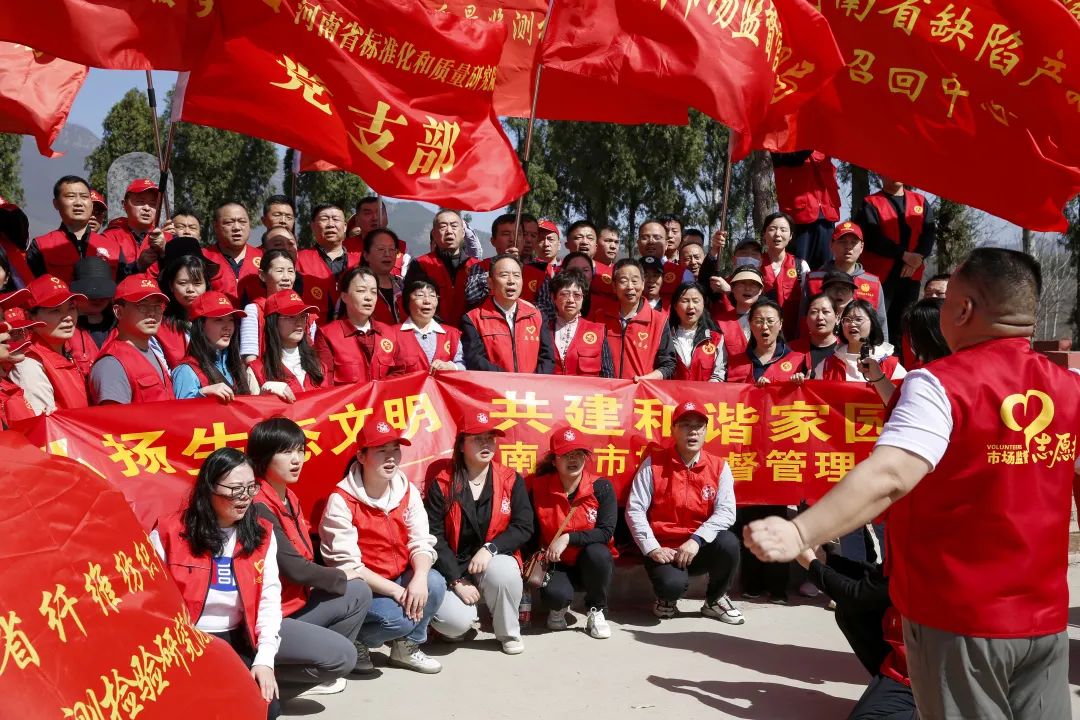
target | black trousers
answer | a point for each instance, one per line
(238, 640)
(885, 699)
(812, 242)
(756, 576)
(900, 294)
(592, 571)
(719, 559)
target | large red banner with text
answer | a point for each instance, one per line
(783, 443)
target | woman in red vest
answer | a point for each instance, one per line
(783, 272)
(212, 366)
(480, 516)
(425, 345)
(638, 335)
(277, 273)
(323, 607)
(698, 346)
(355, 349)
(374, 524)
(289, 365)
(731, 313)
(382, 256)
(223, 559)
(859, 326)
(49, 376)
(185, 275)
(819, 340)
(581, 346)
(767, 358)
(14, 341)
(579, 546)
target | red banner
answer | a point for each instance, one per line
(783, 443)
(36, 93)
(90, 624)
(117, 34)
(977, 102)
(388, 91)
(731, 59)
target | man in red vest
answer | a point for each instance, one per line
(652, 242)
(140, 240)
(237, 259)
(975, 467)
(321, 267)
(447, 266)
(130, 369)
(55, 253)
(682, 504)
(806, 189)
(505, 243)
(506, 334)
(899, 229)
(673, 226)
(847, 247)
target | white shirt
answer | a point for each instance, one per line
(291, 360)
(564, 335)
(851, 361)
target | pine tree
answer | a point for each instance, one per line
(128, 128)
(10, 181)
(955, 233)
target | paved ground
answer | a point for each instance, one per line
(785, 662)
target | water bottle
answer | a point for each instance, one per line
(525, 608)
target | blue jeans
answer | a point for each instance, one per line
(386, 619)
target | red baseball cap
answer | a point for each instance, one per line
(17, 319)
(50, 291)
(685, 409)
(19, 298)
(141, 185)
(847, 228)
(98, 199)
(136, 288)
(379, 433)
(213, 304)
(548, 225)
(289, 303)
(477, 423)
(566, 439)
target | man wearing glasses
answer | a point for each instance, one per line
(129, 370)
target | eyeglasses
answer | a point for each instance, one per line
(653, 238)
(762, 322)
(150, 308)
(852, 320)
(570, 295)
(236, 492)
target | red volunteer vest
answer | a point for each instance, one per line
(502, 479)
(702, 360)
(68, 381)
(451, 292)
(786, 289)
(298, 530)
(533, 276)
(13, 404)
(383, 537)
(227, 280)
(552, 505)
(387, 314)
(145, 384)
(84, 351)
(518, 352)
(17, 257)
(119, 232)
(289, 379)
(192, 574)
(60, 255)
(584, 354)
(980, 546)
(895, 663)
(809, 191)
(344, 362)
(634, 348)
(735, 339)
(835, 368)
(741, 367)
(673, 275)
(683, 498)
(173, 343)
(320, 285)
(889, 222)
(412, 357)
(867, 286)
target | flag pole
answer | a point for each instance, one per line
(727, 181)
(163, 162)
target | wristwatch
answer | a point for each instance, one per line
(490, 547)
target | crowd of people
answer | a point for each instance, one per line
(139, 310)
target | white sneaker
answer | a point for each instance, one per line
(407, 654)
(665, 609)
(723, 610)
(513, 646)
(556, 619)
(327, 688)
(597, 625)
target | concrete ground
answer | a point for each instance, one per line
(785, 662)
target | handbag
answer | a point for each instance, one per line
(536, 572)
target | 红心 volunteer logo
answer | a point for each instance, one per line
(1031, 413)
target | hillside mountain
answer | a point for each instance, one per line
(40, 173)
(412, 222)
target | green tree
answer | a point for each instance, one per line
(956, 233)
(128, 128)
(1071, 239)
(312, 188)
(212, 166)
(10, 181)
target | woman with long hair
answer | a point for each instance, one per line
(277, 273)
(480, 516)
(213, 366)
(922, 331)
(288, 365)
(223, 559)
(874, 364)
(185, 275)
(425, 344)
(323, 607)
(576, 514)
(698, 344)
(355, 348)
(767, 358)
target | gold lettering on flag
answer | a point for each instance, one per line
(300, 78)
(374, 138)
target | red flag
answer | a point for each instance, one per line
(389, 91)
(976, 102)
(732, 60)
(563, 95)
(117, 34)
(36, 93)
